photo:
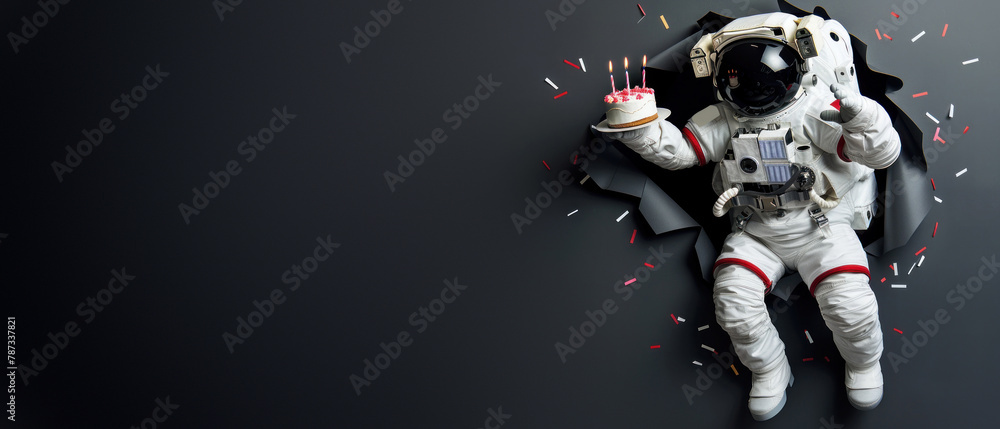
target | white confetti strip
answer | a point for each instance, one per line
(584, 179)
(921, 260)
(809, 337)
(707, 348)
(951, 111)
(895, 269)
(582, 65)
(933, 118)
(680, 319)
(974, 60)
(572, 212)
(550, 83)
(964, 170)
(622, 216)
(914, 39)
(911, 268)
(696, 363)
(938, 200)
(899, 286)
(702, 328)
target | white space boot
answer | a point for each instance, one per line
(767, 395)
(864, 386)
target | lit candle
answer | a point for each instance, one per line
(643, 71)
(626, 74)
(612, 73)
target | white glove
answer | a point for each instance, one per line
(637, 137)
(851, 104)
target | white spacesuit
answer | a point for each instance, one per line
(797, 178)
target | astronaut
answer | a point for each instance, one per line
(795, 145)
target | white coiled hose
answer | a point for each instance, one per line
(723, 199)
(822, 202)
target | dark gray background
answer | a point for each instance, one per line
(323, 175)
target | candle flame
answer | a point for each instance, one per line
(644, 61)
(610, 69)
(626, 63)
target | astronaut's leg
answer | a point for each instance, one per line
(848, 305)
(836, 269)
(740, 310)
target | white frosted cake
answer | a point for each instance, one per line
(630, 107)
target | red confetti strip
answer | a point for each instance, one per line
(887, 37)
(935, 230)
(920, 251)
(897, 330)
(933, 186)
(877, 33)
(945, 30)
(572, 64)
(966, 130)
(827, 358)
(920, 94)
(883, 279)
(649, 265)
(575, 158)
(894, 14)
(807, 359)
(546, 165)
(675, 318)
(640, 9)
(560, 95)
(655, 347)
(632, 240)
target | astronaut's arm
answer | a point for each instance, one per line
(868, 136)
(702, 140)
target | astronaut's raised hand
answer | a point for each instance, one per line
(644, 136)
(852, 106)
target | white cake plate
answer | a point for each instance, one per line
(661, 114)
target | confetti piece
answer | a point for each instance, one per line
(575, 158)
(677, 323)
(584, 179)
(734, 369)
(951, 111)
(809, 337)
(897, 330)
(572, 64)
(655, 347)
(921, 261)
(938, 200)
(649, 265)
(935, 230)
(572, 212)
(933, 186)
(899, 286)
(560, 95)
(696, 362)
(632, 240)
(630, 281)
(622, 216)
(546, 165)
(681, 319)
(914, 39)
(894, 14)
(827, 358)
(937, 136)
(707, 348)
(895, 269)
(887, 37)
(911, 268)
(664, 22)
(933, 118)
(961, 172)
(582, 65)
(945, 30)
(550, 83)
(974, 60)
(640, 9)
(966, 130)
(807, 359)
(920, 251)
(920, 94)
(702, 328)
(877, 33)
(883, 279)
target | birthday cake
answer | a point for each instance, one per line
(630, 107)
